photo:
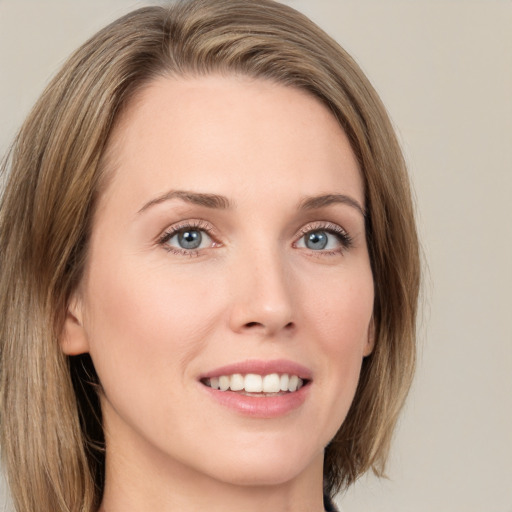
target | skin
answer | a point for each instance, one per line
(154, 318)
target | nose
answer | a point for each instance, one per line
(262, 299)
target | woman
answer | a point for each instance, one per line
(209, 270)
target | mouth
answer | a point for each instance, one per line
(253, 384)
(259, 388)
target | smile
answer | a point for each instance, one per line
(253, 383)
(259, 388)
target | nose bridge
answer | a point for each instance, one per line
(261, 290)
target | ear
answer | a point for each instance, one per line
(370, 343)
(73, 339)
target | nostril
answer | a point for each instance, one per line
(252, 325)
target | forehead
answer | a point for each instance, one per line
(215, 132)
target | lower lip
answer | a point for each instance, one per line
(260, 406)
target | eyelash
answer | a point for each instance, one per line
(343, 237)
(346, 241)
(199, 225)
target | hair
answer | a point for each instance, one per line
(50, 433)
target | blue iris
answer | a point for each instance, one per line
(316, 240)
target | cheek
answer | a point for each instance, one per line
(145, 327)
(341, 309)
(338, 317)
(145, 320)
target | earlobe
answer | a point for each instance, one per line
(370, 343)
(73, 340)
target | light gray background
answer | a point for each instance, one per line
(444, 70)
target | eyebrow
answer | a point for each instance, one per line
(315, 202)
(198, 198)
(223, 203)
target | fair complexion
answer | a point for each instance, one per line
(230, 240)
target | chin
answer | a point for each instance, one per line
(264, 467)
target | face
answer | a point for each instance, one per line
(228, 251)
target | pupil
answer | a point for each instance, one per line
(190, 239)
(316, 240)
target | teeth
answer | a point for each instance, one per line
(271, 383)
(237, 382)
(284, 382)
(254, 383)
(224, 382)
(293, 383)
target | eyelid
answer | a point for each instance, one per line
(318, 225)
(345, 239)
(343, 236)
(196, 224)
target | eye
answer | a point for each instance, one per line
(327, 237)
(187, 239)
(317, 240)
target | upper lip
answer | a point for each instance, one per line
(261, 367)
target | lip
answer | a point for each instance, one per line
(260, 406)
(261, 367)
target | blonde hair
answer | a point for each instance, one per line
(50, 429)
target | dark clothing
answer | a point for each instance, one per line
(329, 506)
